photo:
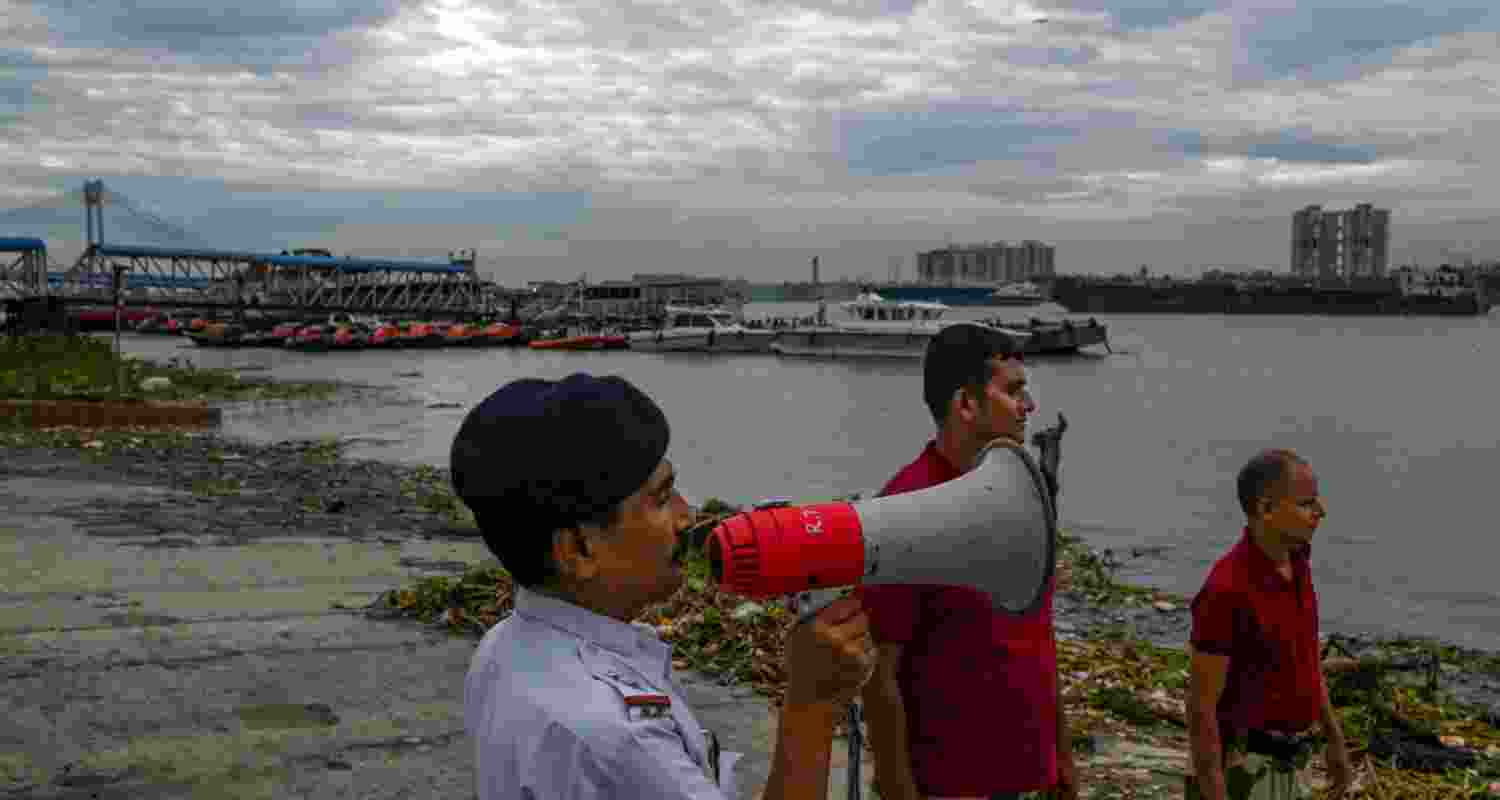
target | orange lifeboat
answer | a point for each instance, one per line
(586, 341)
(385, 336)
(497, 334)
(421, 334)
(459, 335)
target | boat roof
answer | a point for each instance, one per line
(680, 309)
(873, 299)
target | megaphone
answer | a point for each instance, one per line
(993, 529)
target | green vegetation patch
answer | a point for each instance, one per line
(431, 491)
(86, 368)
(15, 433)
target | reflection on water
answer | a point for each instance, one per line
(1395, 414)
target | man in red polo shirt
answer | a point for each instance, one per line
(1256, 684)
(964, 701)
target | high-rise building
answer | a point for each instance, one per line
(993, 262)
(1341, 245)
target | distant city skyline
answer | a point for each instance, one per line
(123, 226)
(744, 139)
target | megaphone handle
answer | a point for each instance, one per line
(806, 605)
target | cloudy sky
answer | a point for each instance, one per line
(741, 138)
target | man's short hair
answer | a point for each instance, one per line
(538, 456)
(1265, 475)
(958, 357)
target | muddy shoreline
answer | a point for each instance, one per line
(244, 492)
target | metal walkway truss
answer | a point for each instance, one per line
(198, 278)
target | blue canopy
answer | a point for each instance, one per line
(21, 245)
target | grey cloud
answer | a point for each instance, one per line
(1039, 56)
(858, 9)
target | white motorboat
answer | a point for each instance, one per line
(710, 329)
(1017, 294)
(871, 326)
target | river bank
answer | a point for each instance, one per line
(184, 611)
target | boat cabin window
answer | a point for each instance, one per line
(867, 313)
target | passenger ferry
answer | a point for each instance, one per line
(871, 327)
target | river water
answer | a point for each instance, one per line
(1397, 416)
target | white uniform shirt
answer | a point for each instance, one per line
(562, 702)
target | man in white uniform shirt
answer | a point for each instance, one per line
(569, 483)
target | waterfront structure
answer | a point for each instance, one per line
(801, 291)
(645, 293)
(23, 266)
(207, 278)
(1340, 245)
(1399, 293)
(1445, 281)
(168, 277)
(995, 262)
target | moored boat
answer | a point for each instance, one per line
(570, 340)
(710, 330)
(309, 338)
(460, 335)
(498, 334)
(346, 337)
(1024, 293)
(161, 323)
(1056, 335)
(872, 327)
(218, 334)
(421, 334)
(385, 336)
(278, 336)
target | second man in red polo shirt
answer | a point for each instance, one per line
(964, 702)
(1256, 680)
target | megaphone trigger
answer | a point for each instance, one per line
(806, 605)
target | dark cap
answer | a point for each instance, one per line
(959, 356)
(548, 454)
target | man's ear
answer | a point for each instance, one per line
(570, 551)
(962, 405)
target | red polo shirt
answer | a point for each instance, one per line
(1268, 627)
(979, 685)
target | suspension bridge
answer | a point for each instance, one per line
(182, 270)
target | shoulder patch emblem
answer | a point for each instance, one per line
(647, 706)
